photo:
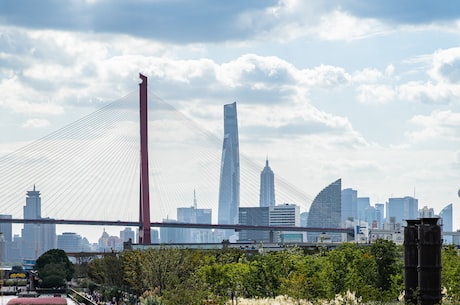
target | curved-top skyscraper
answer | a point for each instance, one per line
(229, 189)
(325, 211)
(267, 187)
(446, 216)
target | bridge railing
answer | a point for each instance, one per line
(80, 298)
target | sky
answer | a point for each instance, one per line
(365, 91)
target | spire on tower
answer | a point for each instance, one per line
(194, 199)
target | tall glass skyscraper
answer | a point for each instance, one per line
(229, 189)
(400, 209)
(349, 204)
(446, 216)
(267, 187)
(325, 211)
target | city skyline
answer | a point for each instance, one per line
(365, 93)
(330, 201)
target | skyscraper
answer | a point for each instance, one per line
(194, 215)
(267, 187)
(6, 238)
(401, 209)
(229, 189)
(363, 204)
(36, 239)
(349, 204)
(325, 211)
(6, 229)
(446, 216)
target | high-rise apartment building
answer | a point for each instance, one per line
(229, 189)
(36, 239)
(267, 187)
(325, 211)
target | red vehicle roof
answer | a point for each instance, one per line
(38, 301)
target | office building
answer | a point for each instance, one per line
(170, 235)
(400, 209)
(36, 238)
(303, 219)
(195, 215)
(127, 234)
(267, 187)
(229, 188)
(6, 238)
(70, 242)
(254, 216)
(154, 236)
(373, 217)
(447, 226)
(380, 207)
(349, 205)
(325, 212)
(285, 215)
(363, 204)
(426, 212)
(6, 229)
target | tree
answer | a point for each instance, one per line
(53, 275)
(305, 281)
(451, 273)
(386, 257)
(54, 267)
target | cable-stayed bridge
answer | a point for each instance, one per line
(88, 171)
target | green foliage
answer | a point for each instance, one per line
(305, 281)
(386, 257)
(107, 271)
(174, 276)
(54, 267)
(451, 273)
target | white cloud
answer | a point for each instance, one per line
(389, 70)
(325, 76)
(36, 123)
(436, 126)
(428, 92)
(339, 25)
(445, 66)
(367, 75)
(20, 98)
(376, 94)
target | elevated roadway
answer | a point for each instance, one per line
(121, 223)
